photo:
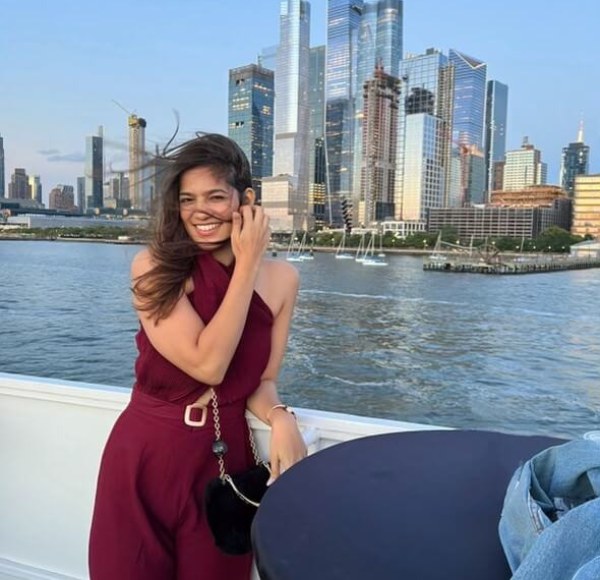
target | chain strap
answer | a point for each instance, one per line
(220, 447)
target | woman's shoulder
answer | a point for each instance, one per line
(142, 262)
(281, 272)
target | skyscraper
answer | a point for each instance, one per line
(469, 98)
(380, 134)
(524, 167)
(2, 175)
(575, 161)
(137, 163)
(317, 188)
(94, 170)
(19, 187)
(496, 111)
(251, 110)
(36, 188)
(285, 194)
(343, 22)
(379, 47)
(425, 114)
(468, 121)
(81, 194)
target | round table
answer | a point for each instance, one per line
(419, 505)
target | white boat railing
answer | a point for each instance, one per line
(52, 433)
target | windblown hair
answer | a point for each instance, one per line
(172, 251)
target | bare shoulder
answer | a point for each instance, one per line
(282, 273)
(142, 262)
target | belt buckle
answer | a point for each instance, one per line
(187, 417)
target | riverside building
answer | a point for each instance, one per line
(250, 124)
(586, 206)
(524, 167)
(285, 193)
(574, 162)
(496, 111)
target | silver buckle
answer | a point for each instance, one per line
(187, 417)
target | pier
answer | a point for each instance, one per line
(533, 266)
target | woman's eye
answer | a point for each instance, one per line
(185, 200)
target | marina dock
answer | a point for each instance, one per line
(533, 266)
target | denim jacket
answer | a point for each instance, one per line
(550, 522)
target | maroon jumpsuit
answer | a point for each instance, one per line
(148, 521)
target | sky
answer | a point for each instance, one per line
(64, 64)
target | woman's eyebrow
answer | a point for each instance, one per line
(208, 192)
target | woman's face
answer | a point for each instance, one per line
(206, 204)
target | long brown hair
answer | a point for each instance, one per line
(173, 252)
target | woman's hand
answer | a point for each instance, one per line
(250, 235)
(287, 444)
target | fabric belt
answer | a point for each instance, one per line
(175, 414)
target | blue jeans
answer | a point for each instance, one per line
(550, 522)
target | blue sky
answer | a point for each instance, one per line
(64, 62)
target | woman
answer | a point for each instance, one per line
(213, 313)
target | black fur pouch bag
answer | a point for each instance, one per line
(231, 502)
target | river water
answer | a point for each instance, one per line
(511, 353)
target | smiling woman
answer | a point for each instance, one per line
(207, 204)
(214, 318)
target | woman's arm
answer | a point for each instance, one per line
(204, 351)
(287, 446)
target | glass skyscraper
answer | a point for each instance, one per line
(94, 171)
(343, 22)
(316, 135)
(469, 98)
(251, 111)
(2, 174)
(286, 193)
(379, 45)
(575, 161)
(425, 115)
(496, 111)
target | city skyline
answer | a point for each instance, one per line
(58, 88)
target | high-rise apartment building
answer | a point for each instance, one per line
(81, 194)
(343, 23)
(524, 167)
(36, 188)
(94, 171)
(19, 187)
(285, 194)
(496, 114)
(574, 162)
(586, 206)
(424, 150)
(138, 182)
(379, 47)
(62, 197)
(379, 148)
(251, 111)
(317, 174)
(2, 174)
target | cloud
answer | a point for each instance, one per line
(55, 156)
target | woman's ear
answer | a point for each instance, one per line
(249, 196)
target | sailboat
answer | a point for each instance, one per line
(370, 259)
(294, 253)
(298, 254)
(341, 253)
(381, 252)
(360, 251)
